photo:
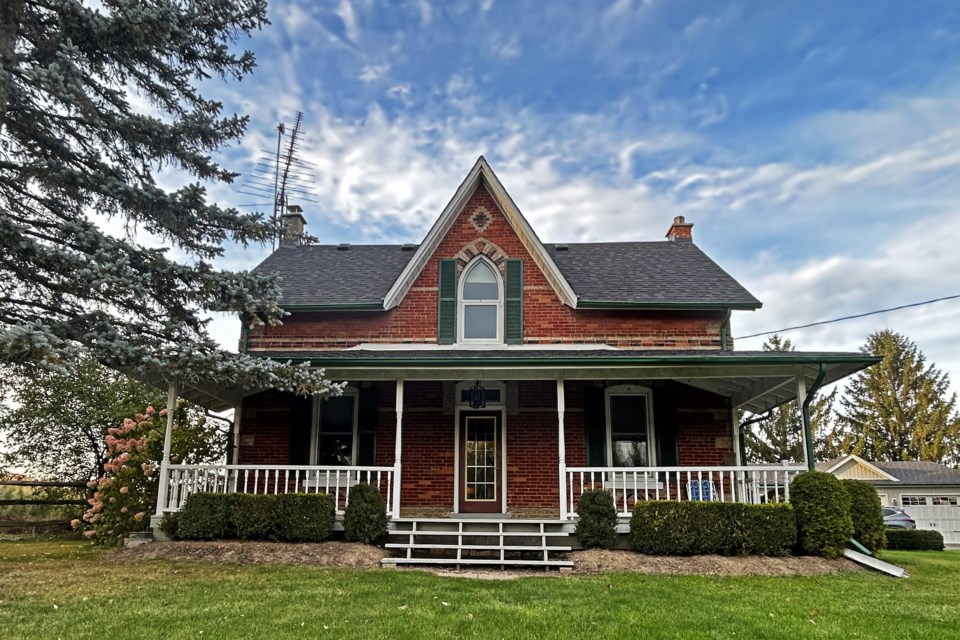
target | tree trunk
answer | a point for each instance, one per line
(10, 13)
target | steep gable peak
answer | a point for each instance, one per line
(481, 175)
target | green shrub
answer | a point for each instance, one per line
(660, 527)
(303, 517)
(866, 514)
(365, 516)
(768, 529)
(170, 524)
(597, 519)
(206, 516)
(914, 540)
(254, 516)
(822, 506)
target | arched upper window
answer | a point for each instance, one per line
(481, 303)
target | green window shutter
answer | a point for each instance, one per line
(301, 412)
(447, 305)
(595, 423)
(513, 302)
(368, 417)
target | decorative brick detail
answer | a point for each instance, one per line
(480, 219)
(481, 246)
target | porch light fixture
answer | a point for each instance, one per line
(478, 396)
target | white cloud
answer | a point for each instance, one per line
(373, 72)
(486, 5)
(349, 17)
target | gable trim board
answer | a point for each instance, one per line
(481, 173)
(858, 461)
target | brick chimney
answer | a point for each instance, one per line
(293, 226)
(680, 230)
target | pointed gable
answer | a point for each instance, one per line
(471, 222)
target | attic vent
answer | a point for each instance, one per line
(562, 247)
(408, 247)
(343, 247)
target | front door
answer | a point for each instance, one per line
(480, 479)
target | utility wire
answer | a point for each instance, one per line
(859, 315)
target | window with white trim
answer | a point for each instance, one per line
(946, 501)
(336, 435)
(913, 501)
(480, 298)
(629, 410)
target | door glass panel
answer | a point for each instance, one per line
(481, 454)
(335, 444)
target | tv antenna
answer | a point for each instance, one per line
(282, 175)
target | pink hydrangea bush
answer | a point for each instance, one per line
(126, 494)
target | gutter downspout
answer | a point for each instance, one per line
(723, 330)
(807, 429)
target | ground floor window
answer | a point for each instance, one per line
(945, 501)
(913, 501)
(629, 426)
(339, 438)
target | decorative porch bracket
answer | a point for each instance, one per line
(561, 449)
(397, 447)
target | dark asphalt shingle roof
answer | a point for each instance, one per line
(669, 273)
(324, 274)
(647, 272)
(909, 472)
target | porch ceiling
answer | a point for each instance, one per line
(753, 380)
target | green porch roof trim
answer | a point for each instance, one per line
(615, 304)
(435, 359)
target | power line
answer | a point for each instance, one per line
(859, 315)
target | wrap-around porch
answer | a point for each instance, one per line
(528, 449)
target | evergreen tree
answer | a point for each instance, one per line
(778, 434)
(75, 152)
(901, 408)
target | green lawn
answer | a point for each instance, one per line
(66, 590)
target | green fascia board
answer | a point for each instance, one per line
(697, 360)
(668, 306)
(344, 306)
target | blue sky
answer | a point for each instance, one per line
(815, 145)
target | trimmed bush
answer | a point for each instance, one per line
(170, 525)
(661, 527)
(822, 506)
(866, 514)
(254, 516)
(304, 517)
(914, 540)
(597, 522)
(768, 529)
(206, 516)
(365, 516)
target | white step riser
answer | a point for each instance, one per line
(468, 561)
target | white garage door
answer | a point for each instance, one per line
(941, 513)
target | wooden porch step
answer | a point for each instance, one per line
(468, 561)
(494, 533)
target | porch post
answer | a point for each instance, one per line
(737, 452)
(801, 396)
(561, 449)
(396, 451)
(165, 460)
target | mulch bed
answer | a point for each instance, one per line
(594, 561)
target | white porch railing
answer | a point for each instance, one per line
(187, 479)
(627, 485)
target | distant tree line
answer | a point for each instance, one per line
(899, 409)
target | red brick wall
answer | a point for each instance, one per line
(546, 319)
(531, 439)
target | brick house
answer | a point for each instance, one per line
(489, 373)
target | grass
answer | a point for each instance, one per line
(68, 589)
